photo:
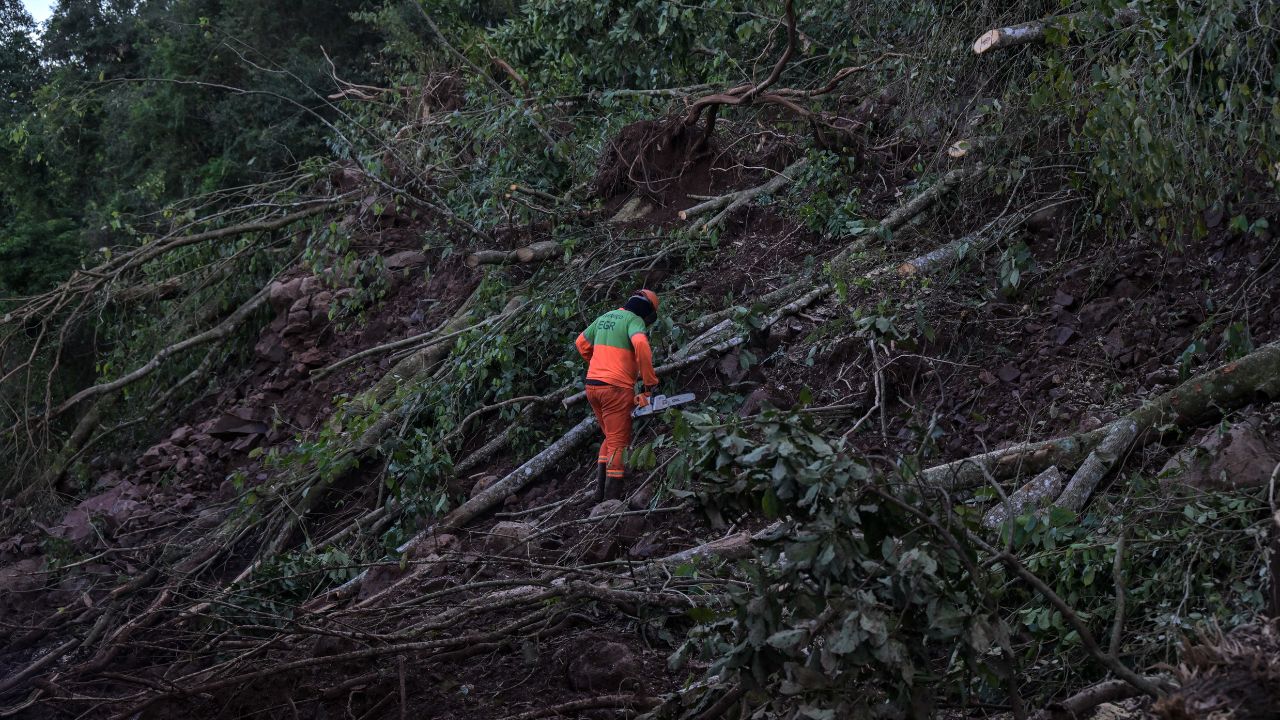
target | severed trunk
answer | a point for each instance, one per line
(537, 252)
(1033, 31)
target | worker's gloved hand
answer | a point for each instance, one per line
(642, 400)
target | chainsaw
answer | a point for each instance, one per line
(647, 404)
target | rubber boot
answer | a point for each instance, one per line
(601, 480)
(613, 488)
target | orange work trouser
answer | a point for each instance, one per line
(613, 406)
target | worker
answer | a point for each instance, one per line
(617, 352)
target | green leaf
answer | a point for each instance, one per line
(769, 504)
(788, 641)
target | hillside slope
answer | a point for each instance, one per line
(986, 383)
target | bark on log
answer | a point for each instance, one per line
(537, 252)
(727, 204)
(951, 253)
(732, 547)
(515, 481)
(1031, 457)
(1033, 31)
(1098, 464)
(489, 257)
(1253, 377)
(1085, 701)
(1040, 491)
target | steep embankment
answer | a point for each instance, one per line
(375, 497)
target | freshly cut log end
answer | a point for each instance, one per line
(514, 187)
(907, 269)
(683, 215)
(1027, 32)
(488, 257)
(539, 251)
(959, 149)
(986, 41)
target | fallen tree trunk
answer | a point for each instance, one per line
(791, 308)
(537, 252)
(1253, 377)
(1098, 464)
(1013, 461)
(1033, 31)
(1041, 490)
(727, 204)
(515, 481)
(222, 330)
(1085, 701)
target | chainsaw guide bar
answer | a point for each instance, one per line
(659, 403)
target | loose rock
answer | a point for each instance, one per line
(598, 666)
(1242, 457)
(507, 534)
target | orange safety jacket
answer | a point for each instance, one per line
(617, 350)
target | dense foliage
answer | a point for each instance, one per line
(129, 122)
(123, 107)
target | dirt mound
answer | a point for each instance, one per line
(664, 162)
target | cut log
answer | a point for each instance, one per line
(492, 496)
(1040, 491)
(1204, 397)
(490, 257)
(1098, 464)
(727, 204)
(1004, 37)
(1033, 31)
(537, 252)
(1084, 702)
